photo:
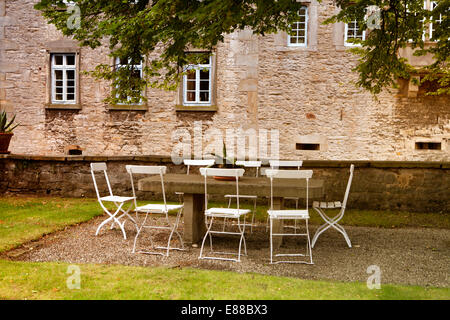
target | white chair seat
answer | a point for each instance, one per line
(117, 199)
(327, 205)
(288, 214)
(159, 208)
(226, 212)
(240, 196)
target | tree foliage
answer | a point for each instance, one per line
(165, 31)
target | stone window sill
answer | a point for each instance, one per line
(63, 106)
(127, 107)
(195, 108)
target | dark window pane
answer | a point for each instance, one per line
(204, 74)
(204, 96)
(70, 60)
(59, 97)
(191, 74)
(190, 96)
(58, 74)
(204, 85)
(70, 90)
(71, 83)
(70, 74)
(70, 97)
(59, 90)
(58, 60)
(190, 85)
(59, 83)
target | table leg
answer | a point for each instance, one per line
(194, 218)
(278, 225)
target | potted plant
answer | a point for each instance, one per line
(224, 162)
(6, 129)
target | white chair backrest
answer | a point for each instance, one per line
(208, 172)
(285, 163)
(146, 169)
(100, 166)
(288, 174)
(161, 170)
(250, 164)
(349, 184)
(203, 163)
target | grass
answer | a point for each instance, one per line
(25, 280)
(368, 218)
(26, 219)
(23, 219)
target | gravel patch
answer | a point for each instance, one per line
(412, 256)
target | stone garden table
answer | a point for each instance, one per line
(193, 187)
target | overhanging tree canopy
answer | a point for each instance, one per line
(165, 30)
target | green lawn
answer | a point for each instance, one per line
(25, 219)
(24, 280)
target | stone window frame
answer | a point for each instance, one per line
(142, 106)
(356, 30)
(180, 104)
(281, 39)
(289, 37)
(64, 46)
(64, 68)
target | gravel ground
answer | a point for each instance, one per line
(418, 256)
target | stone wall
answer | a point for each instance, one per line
(261, 83)
(413, 186)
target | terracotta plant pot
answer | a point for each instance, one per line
(224, 178)
(5, 139)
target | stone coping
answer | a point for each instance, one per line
(167, 159)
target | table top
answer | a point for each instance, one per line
(259, 186)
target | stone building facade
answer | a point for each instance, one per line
(258, 83)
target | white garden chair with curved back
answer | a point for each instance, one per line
(197, 163)
(230, 197)
(161, 209)
(226, 213)
(289, 214)
(277, 164)
(333, 222)
(118, 201)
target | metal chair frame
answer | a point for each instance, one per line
(225, 213)
(162, 209)
(247, 164)
(277, 164)
(118, 201)
(289, 214)
(333, 222)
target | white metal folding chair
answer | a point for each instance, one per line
(230, 197)
(226, 213)
(161, 209)
(118, 201)
(333, 222)
(289, 214)
(277, 164)
(198, 163)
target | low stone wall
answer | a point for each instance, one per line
(409, 186)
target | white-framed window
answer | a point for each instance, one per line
(136, 67)
(298, 35)
(197, 86)
(433, 5)
(353, 31)
(64, 78)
